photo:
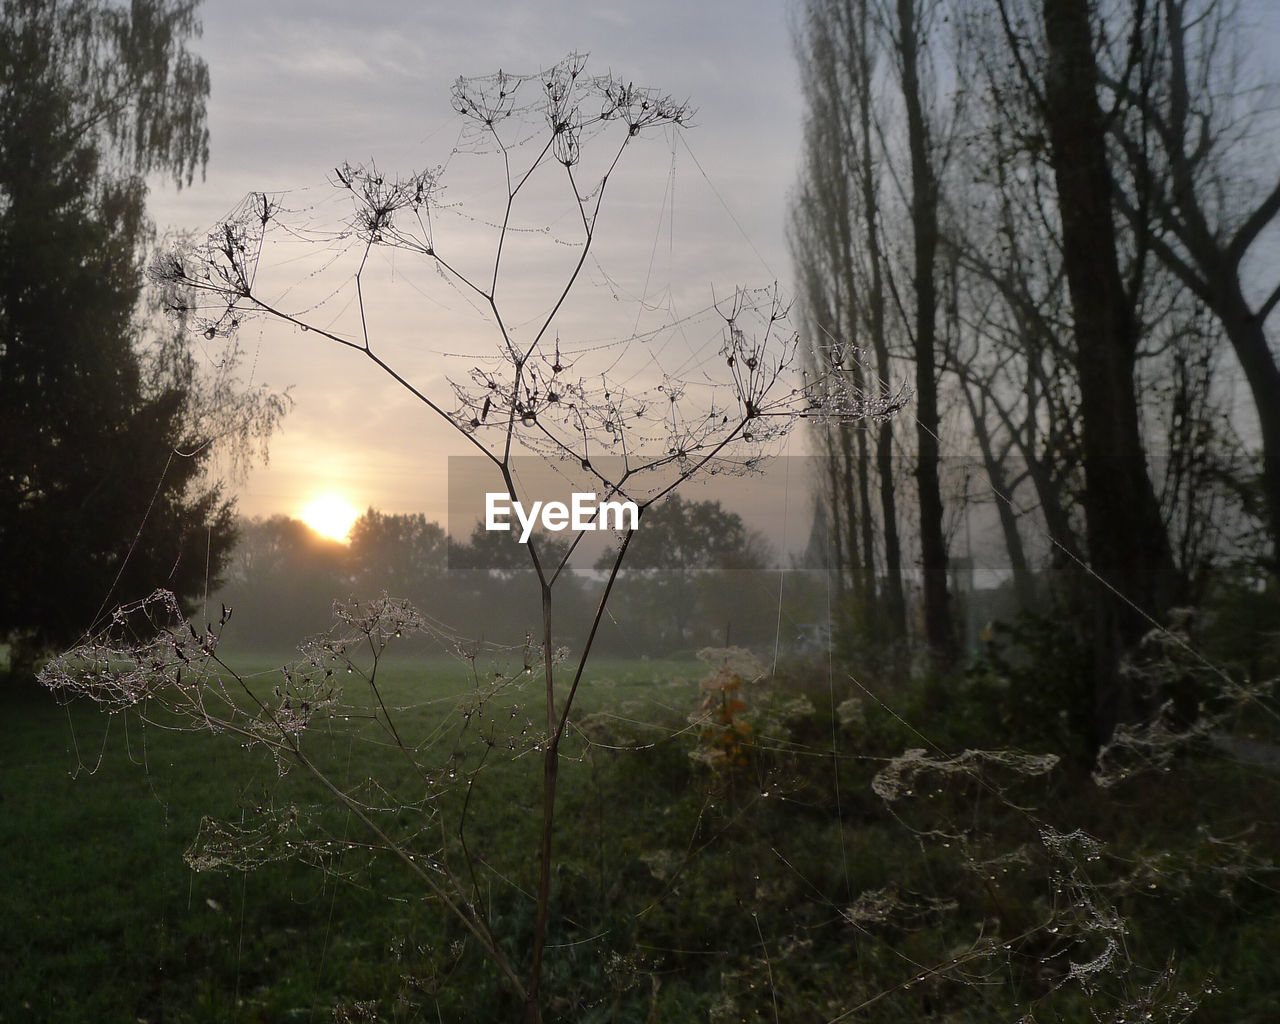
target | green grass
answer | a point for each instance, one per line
(677, 896)
(106, 921)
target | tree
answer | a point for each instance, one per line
(688, 556)
(1010, 351)
(99, 456)
(847, 267)
(925, 183)
(501, 551)
(557, 134)
(1128, 544)
(86, 437)
(124, 81)
(1180, 141)
(492, 583)
(281, 581)
(1015, 355)
(687, 535)
(842, 248)
(397, 553)
(835, 244)
(998, 262)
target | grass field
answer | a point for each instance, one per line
(105, 921)
(783, 890)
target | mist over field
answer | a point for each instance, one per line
(923, 355)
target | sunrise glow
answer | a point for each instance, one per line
(330, 515)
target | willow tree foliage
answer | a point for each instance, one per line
(105, 422)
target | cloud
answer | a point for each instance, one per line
(300, 87)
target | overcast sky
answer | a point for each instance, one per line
(300, 87)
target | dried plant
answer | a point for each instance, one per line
(611, 413)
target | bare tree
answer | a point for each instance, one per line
(843, 252)
(1189, 196)
(980, 393)
(1128, 546)
(825, 236)
(1017, 351)
(1012, 355)
(908, 35)
(868, 177)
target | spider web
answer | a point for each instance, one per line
(333, 704)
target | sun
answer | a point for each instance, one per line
(330, 515)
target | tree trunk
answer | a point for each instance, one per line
(894, 599)
(924, 226)
(837, 536)
(1023, 584)
(1128, 546)
(870, 608)
(853, 514)
(1248, 337)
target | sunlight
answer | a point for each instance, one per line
(330, 515)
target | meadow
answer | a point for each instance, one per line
(107, 922)
(793, 884)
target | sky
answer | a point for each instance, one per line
(298, 88)
(301, 86)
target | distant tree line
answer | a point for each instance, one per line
(697, 576)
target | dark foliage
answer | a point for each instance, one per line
(100, 499)
(694, 573)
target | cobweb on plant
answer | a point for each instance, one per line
(413, 767)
